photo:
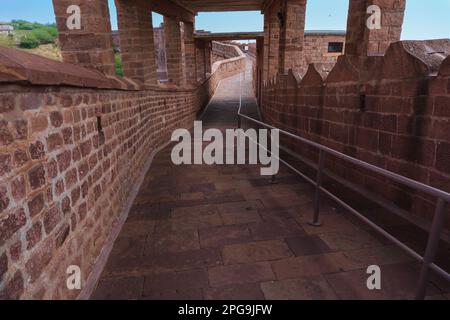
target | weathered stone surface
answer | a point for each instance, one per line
(232, 218)
(4, 198)
(36, 177)
(310, 288)
(398, 281)
(13, 289)
(307, 245)
(39, 260)
(137, 229)
(34, 235)
(51, 219)
(3, 265)
(247, 291)
(255, 251)
(173, 282)
(347, 240)
(172, 241)
(312, 265)
(160, 263)
(10, 223)
(223, 235)
(120, 288)
(239, 274)
(276, 229)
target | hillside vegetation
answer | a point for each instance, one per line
(33, 37)
(41, 39)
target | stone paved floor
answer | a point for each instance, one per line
(225, 232)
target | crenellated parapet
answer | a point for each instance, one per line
(392, 111)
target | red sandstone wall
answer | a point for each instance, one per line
(391, 111)
(222, 51)
(64, 182)
(315, 49)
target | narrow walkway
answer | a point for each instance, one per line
(225, 232)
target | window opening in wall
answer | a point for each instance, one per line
(101, 133)
(116, 39)
(160, 46)
(335, 47)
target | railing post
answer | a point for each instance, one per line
(432, 246)
(272, 179)
(316, 220)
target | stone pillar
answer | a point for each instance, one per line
(266, 45)
(274, 40)
(137, 41)
(200, 53)
(362, 41)
(208, 57)
(175, 50)
(259, 68)
(90, 46)
(292, 35)
(190, 53)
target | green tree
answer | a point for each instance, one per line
(43, 36)
(118, 60)
(29, 41)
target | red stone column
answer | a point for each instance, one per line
(259, 68)
(266, 45)
(175, 50)
(90, 46)
(292, 35)
(200, 53)
(360, 40)
(190, 53)
(137, 41)
(274, 39)
(208, 57)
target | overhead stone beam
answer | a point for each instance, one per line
(172, 9)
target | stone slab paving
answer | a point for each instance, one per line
(225, 232)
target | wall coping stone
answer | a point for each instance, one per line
(445, 67)
(403, 60)
(19, 67)
(22, 67)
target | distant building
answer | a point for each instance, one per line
(6, 29)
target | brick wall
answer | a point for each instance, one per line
(136, 42)
(223, 51)
(365, 41)
(72, 145)
(390, 111)
(91, 46)
(315, 48)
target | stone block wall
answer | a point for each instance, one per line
(92, 45)
(223, 51)
(136, 41)
(390, 111)
(73, 143)
(315, 49)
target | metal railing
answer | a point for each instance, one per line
(439, 215)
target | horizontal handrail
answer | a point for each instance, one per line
(439, 215)
(394, 176)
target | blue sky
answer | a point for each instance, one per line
(425, 19)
